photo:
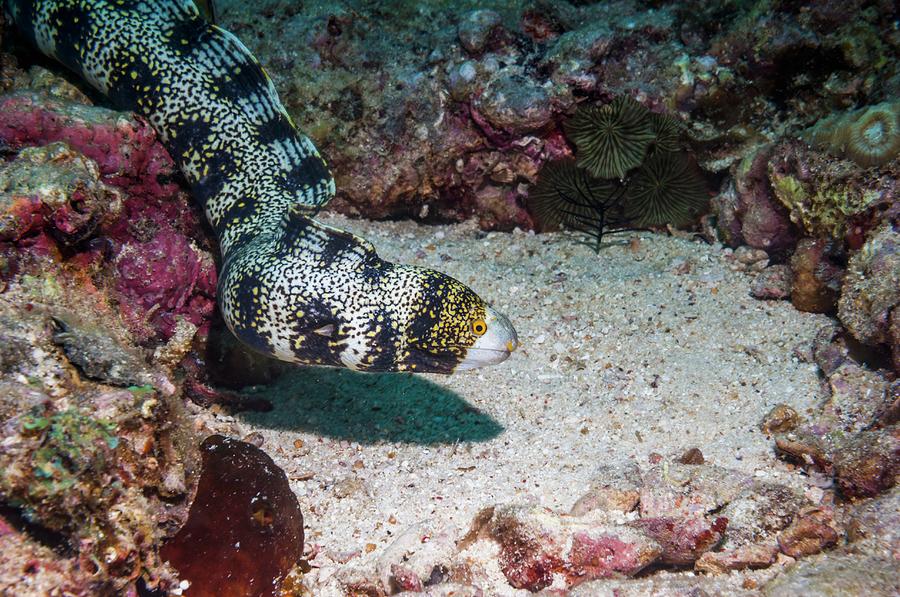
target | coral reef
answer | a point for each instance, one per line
(443, 111)
(870, 295)
(104, 289)
(829, 197)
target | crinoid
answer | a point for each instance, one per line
(664, 190)
(567, 196)
(611, 139)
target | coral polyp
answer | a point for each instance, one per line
(666, 131)
(665, 190)
(873, 138)
(611, 139)
(869, 136)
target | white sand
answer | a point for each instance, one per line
(654, 346)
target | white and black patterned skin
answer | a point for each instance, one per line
(289, 286)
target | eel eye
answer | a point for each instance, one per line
(479, 327)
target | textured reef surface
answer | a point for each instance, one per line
(707, 409)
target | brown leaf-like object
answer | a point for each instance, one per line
(244, 531)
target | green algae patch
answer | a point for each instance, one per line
(824, 209)
(70, 444)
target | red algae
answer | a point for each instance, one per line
(244, 531)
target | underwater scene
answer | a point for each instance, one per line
(451, 299)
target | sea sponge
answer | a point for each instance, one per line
(869, 136)
(611, 139)
(666, 189)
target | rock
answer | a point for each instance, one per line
(829, 350)
(413, 557)
(101, 356)
(867, 463)
(106, 473)
(683, 540)
(827, 196)
(163, 279)
(837, 573)
(724, 206)
(665, 585)
(871, 290)
(863, 464)
(807, 535)
(514, 105)
(877, 522)
(773, 283)
(859, 397)
(749, 259)
(571, 55)
(676, 490)
(539, 549)
(816, 276)
(615, 488)
(475, 29)
(692, 456)
(765, 223)
(759, 513)
(741, 558)
(57, 189)
(125, 149)
(28, 567)
(781, 419)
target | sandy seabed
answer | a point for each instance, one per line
(654, 345)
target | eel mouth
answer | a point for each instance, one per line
(500, 341)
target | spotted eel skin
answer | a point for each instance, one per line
(289, 286)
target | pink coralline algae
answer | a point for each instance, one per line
(683, 540)
(112, 185)
(125, 149)
(163, 279)
(56, 189)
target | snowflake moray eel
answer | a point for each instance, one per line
(289, 286)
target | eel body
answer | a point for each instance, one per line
(289, 286)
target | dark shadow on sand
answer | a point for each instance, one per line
(370, 408)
